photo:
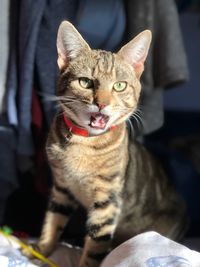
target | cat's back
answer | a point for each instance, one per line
(146, 175)
(149, 196)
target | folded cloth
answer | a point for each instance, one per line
(151, 249)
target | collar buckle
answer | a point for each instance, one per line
(68, 135)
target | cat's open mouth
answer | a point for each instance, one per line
(98, 120)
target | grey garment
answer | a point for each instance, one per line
(34, 29)
(46, 68)
(98, 27)
(12, 79)
(166, 65)
(25, 21)
(4, 48)
(24, 26)
(190, 23)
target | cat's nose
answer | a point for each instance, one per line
(101, 106)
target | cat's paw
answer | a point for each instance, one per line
(45, 250)
(26, 252)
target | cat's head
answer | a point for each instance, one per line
(99, 89)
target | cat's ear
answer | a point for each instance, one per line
(69, 44)
(135, 51)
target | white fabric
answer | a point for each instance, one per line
(10, 256)
(150, 249)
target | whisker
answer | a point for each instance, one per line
(60, 114)
(138, 121)
(139, 111)
(49, 97)
(130, 127)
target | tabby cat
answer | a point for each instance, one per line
(94, 163)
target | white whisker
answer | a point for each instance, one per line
(130, 127)
(49, 97)
(136, 116)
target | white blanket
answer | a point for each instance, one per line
(149, 249)
(10, 255)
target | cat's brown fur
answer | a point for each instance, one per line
(121, 186)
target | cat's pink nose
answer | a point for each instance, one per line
(101, 106)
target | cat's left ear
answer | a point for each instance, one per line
(136, 51)
(70, 44)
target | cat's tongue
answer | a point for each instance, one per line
(98, 120)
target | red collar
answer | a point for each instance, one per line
(78, 130)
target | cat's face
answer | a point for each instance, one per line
(99, 89)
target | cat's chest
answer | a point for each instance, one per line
(82, 166)
(81, 160)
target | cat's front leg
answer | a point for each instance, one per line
(101, 225)
(60, 208)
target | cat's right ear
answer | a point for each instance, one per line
(135, 52)
(69, 44)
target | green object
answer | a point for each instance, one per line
(7, 230)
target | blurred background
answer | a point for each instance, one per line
(169, 117)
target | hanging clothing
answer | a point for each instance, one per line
(166, 64)
(24, 27)
(33, 57)
(4, 48)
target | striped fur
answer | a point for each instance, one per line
(123, 189)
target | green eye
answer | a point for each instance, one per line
(120, 86)
(86, 83)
